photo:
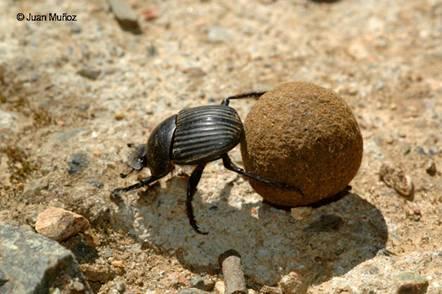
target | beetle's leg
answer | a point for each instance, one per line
(115, 196)
(242, 96)
(233, 167)
(124, 175)
(191, 189)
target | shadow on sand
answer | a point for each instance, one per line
(329, 242)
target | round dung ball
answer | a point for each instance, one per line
(305, 136)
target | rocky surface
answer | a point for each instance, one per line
(88, 87)
(418, 272)
(352, 228)
(30, 263)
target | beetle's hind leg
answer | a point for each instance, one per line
(191, 189)
(254, 94)
(233, 167)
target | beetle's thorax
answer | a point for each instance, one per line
(159, 146)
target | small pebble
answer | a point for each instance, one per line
(77, 286)
(300, 213)
(220, 288)
(75, 28)
(293, 283)
(413, 212)
(192, 291)
(152, 50)
(96, 183)
(345, 290)
(78, 162)
(176, 280)
(59, 224)
(125, 15)
(271, 290)
(97, 272)
(120, 286)
(396, 178)
(430, 167)
(119, 116)
(411, 283)
(218, 35)
(203, 283)
(7, 120)
(89, 73)
(149, 14)
(118, 263)
(194, 72)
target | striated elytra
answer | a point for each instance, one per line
(194, 136)
(203, 133)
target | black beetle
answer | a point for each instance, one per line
(194, 136)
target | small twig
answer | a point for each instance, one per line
(233, 275)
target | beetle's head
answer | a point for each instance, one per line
(137, 159)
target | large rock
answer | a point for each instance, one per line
(414, 273)
(31, 263)
(305, 136)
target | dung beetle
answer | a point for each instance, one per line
(194, 136)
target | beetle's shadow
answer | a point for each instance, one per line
(335, 238)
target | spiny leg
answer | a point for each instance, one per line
(191, 189)
(116, 193)
(242, 96)
(233, 167)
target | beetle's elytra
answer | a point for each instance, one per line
(194, 136)
(205, 133)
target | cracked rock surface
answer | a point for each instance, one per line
(31, 263)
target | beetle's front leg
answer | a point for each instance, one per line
(116, 193)
(233, 167)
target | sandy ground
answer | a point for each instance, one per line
(63, 136)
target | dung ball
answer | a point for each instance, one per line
(304, 136)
